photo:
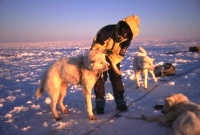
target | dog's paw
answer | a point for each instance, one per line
(137, 87)
(58, 119)
(92, 117)
(145, 117)
(156, 80)
(146, 88)
(65, 111)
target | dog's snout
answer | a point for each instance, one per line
(152, 67)
(106, 66)
(163, 112)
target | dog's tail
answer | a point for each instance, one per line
(40, 90)
(142, 50)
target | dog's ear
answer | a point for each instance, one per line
(152, 59)
(92, 62)
(170, 100)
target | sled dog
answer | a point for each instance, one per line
(143, 63)
(182, 113)
(80, 70)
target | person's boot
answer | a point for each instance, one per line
(121, 104)
(100, 104)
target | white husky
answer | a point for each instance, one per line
(143, 63)
(82, 70)
(182, 113)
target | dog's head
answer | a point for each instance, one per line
(172, 100)
(148, 63)
(95, 61)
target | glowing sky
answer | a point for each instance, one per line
(55, 20)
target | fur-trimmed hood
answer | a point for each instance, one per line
(133, 22)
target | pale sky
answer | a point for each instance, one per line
(63, 20)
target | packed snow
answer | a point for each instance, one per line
(22, 64)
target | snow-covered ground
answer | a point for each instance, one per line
(22, 64)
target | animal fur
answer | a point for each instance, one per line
(143, 63)
(182, 113)
(82, 70)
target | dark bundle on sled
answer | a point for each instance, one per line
(194, 49)
(166, 69)
(158, 107)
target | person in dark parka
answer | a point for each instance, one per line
(114, 40)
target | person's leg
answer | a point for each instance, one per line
(99, 90)
(118, 89)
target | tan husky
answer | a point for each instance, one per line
(143, 63)
(183, 114)
(82, 70)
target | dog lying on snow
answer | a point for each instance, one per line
(182, 113)
(143, 63)
(82, 70)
